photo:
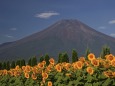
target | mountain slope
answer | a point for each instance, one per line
(64, 35)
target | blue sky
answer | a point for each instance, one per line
(20, 18)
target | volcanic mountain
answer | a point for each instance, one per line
(62, 36)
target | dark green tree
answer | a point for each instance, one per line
(13, 65)
(59, 57)
(46, 58)
(105, 51)
(87, 52)
(8, 65)
(4, 65)
(18, 62)
(34, 61)
(41, 59)
(22, 63)
(29, 62)
(0, 66)
(74, 56)
(65, 57)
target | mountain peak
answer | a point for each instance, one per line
(64, 35)
(67, 21)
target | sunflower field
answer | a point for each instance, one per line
(83, 72)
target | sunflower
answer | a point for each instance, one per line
(67, 66)
(26, 75)
(48, 69)
(34, 76)
(51, 60)
(90, 70)
(95, 62)
(113, 73)
(44, 62)
(10, 73)
(5, 72)
(79, 64)
(23, 68)
(113, 63)
(58, 68)
(34, 69)
(91, 56)
(15, 73)
(108, 73)
(17, 67)
(87, 63)
(49, 83)
(40, 65)
(82, 59)
(44, 75)
(27, 68)
(106, 65)
(74, 66)
(109, 57)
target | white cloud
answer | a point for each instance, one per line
(102, 27)
(112, 22)
(47, 15)
(13, 29)
(9, 36)
(112, 34)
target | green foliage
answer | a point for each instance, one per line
(59, 57)
(0, 66)
(41, 59)
(63, 57)
(33, 61)
(4, 65)
(18, 62)
(29, 62)
(46, 58)
(74, 56)
(22, 63)
(105, 51)
(13, 64)
(8, 65)
(71, 76)
(87, 53)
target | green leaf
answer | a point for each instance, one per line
(96, 84)
(107, 82)
(89, 78)
(88, 84)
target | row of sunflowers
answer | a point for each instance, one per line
(84, 72)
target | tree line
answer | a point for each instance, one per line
(62, 57)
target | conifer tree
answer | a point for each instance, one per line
(13, 65)
(47, 59)
(22, 63)
(65, 57)
(41, 59)
(87, 53)
(74, 56)
(34, 61)
(29, 62)
(0, 66)
(4, 65)
(8, 65)
(18, 62)
(59, 57)
(105, 51)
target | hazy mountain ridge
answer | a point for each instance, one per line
(63, 35)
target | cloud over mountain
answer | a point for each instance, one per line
(46, 15)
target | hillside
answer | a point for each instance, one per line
(62, 36)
